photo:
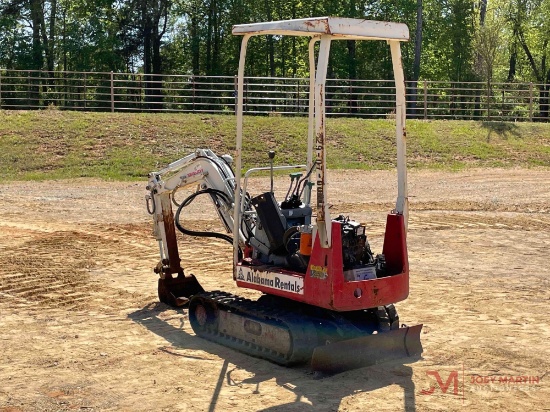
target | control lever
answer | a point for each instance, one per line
(293, 176)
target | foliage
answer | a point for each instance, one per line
(462, 40)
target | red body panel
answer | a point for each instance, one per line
(323, 284)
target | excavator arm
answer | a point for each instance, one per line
(213, 176)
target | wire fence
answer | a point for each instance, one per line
(94, 91)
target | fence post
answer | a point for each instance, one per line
(488, 102)
(425, 100)
(298, 95)
(84, 97)
(235, 86)
(112, 93)
(531, 101)
(40, 87)
(29, 89)
(502, 105)
(193, 86)
(141, 92)
(0, 89)
(64, 82)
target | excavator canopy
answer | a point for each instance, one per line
(334, 26)
(324, 30)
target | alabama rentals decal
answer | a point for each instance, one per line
(280, 281)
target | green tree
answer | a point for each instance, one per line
(529, 22)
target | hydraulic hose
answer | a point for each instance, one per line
(218, 194)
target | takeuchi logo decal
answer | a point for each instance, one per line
(279, 281)
(195, 173)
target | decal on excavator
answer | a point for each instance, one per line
(280, 281)
(318, 272)
(195, 173)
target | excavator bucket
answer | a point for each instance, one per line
(176, 291)
(367, 350)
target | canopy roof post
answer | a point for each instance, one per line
(402, 203)
(239, 203)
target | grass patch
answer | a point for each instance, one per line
(42, 145)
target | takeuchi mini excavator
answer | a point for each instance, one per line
(327, 298)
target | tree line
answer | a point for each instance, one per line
(451, 40)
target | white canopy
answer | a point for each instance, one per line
(359, 29)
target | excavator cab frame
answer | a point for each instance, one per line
(324, 30)
(323, 283)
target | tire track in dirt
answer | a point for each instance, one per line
(58, 267)
(54, 269)
(438, 220)
(49, 269)
(79, 269)
(450, 221)
(453, 205)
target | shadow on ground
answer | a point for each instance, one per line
(324, 394)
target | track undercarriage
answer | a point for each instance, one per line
(290, 333)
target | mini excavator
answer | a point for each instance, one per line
(327, 299)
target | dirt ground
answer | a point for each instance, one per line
(81, 327)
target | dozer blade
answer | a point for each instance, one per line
(176, 291)
(367, 350)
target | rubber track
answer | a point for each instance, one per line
(301, 329)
